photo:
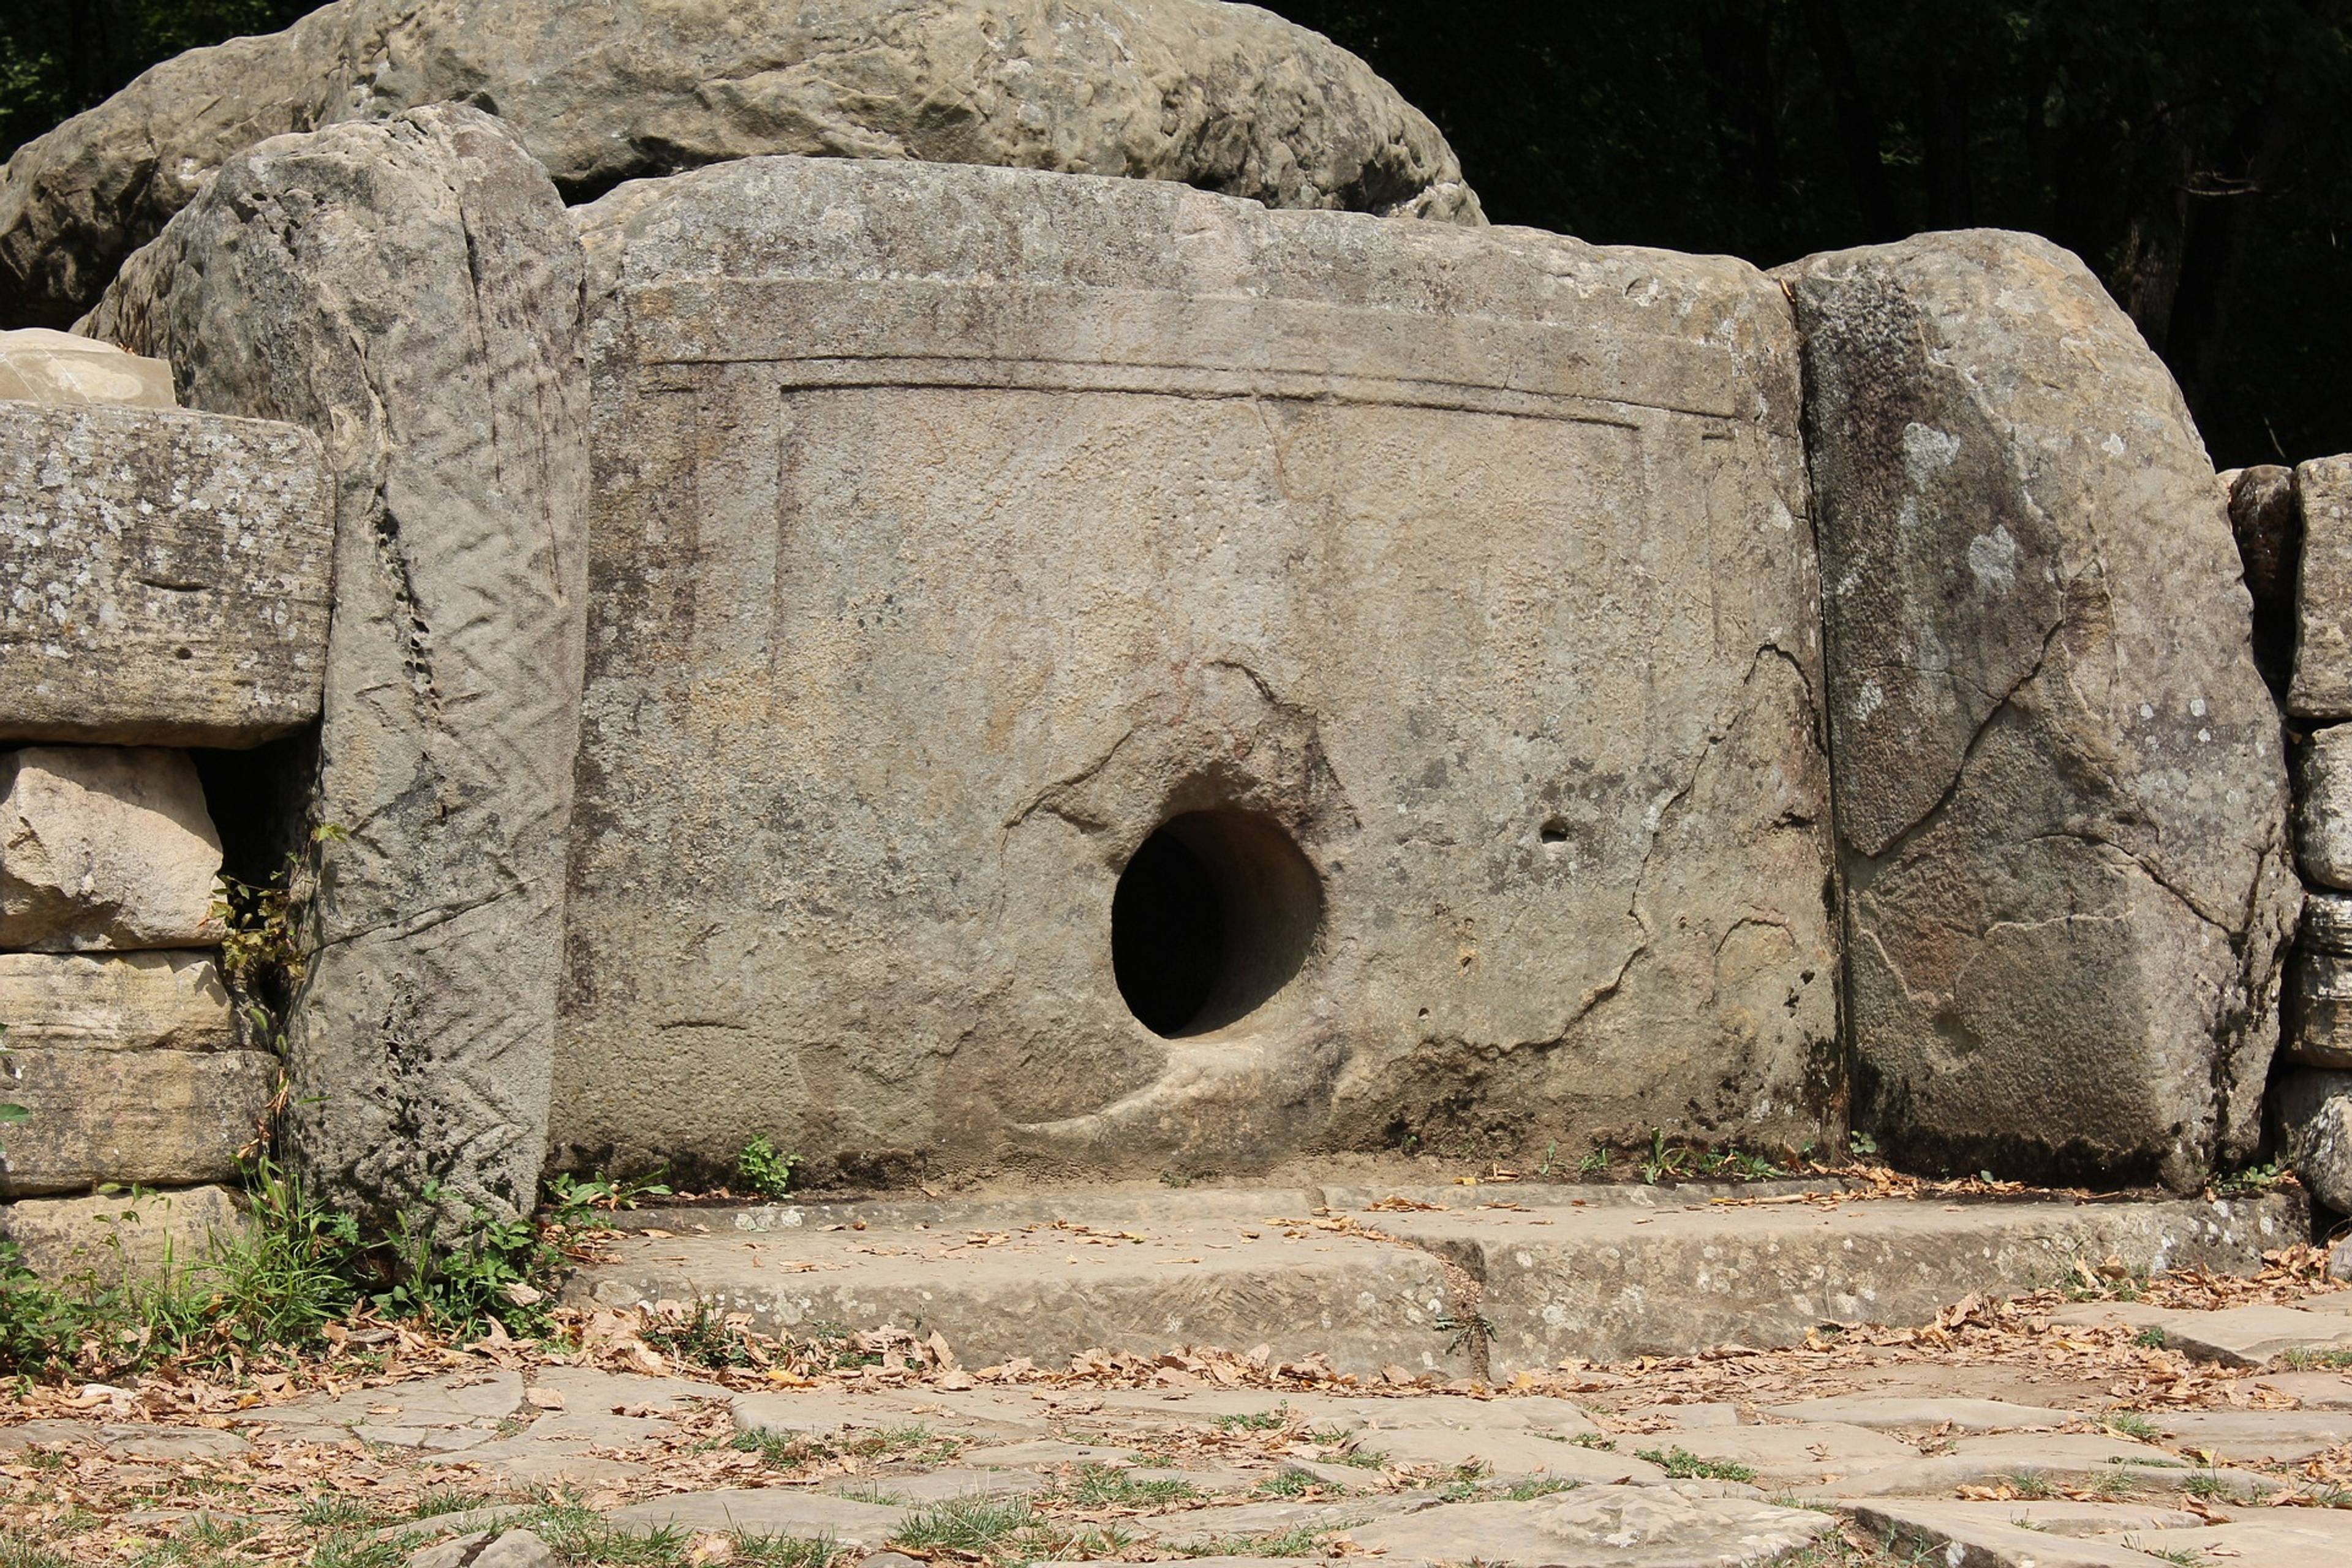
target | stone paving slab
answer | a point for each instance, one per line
(1628, 1527)
(1961, 1414)
(2264, 1538)
(1611, 1285)
(1377, 1288)
(2241, 1435)
(2056, 1458)
(1231, 1525)
(2314, 1390)
(1505, 1455)
(774, 1510)
(1811, 1453)
(1048, 1294)
(1972, 1539)
(2237, 1336)
(2066, 1517)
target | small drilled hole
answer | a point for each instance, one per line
(1554, 830)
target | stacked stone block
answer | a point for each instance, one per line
(2295, 529)
(163, 584)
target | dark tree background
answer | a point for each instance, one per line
(2197, 152)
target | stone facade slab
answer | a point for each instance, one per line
(957, 529)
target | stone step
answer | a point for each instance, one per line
(1466, 1289)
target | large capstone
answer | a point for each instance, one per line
(1094, 674)
(2061, 789)
(411, 290)
(1229, 98)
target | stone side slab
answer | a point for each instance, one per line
(410, 290)
(2061, 793)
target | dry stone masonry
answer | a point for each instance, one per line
(162, 579)
(794, 603)
(2310, 506)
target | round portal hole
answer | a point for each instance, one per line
(1213, 915)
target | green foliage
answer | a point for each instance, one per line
(460, 1286)
(764, 1170)
(1288, 1484)
(261, 944)
(276, 1284)
(2131, 1424)
(2251, 1181)
(1105, 1485)
(1539, 1487)
(1682, 1465)
(965, 1524)
(1662, 1161)
(270, 1288)
(1254, 1420)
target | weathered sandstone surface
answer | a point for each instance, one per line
(131, 1001)
(410, 290)
(2318, 1010)
(2269, 529)
(163, 576)
(1448, 594)
(105, 847)
(2061, 792)
(1229, 98)
(156, 1118)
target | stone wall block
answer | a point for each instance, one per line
(410, 290)
(163, 576)
(121, 1236)
(1226, 98)
(2313, 1111)
(132, 1001)
(2322, 687)
(2269, 529)
(2323, 807)
(2061, 793)
(105, 848)
(38, 364)
(156, 1117)
(2318, 1013)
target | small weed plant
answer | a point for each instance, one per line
(764, 1170)
(1682, 1465)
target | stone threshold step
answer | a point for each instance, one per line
(1468, 1289)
